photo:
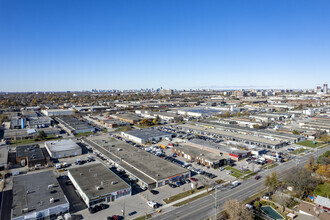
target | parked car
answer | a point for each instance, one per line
(155, 192)
(172, 185)
(193, 179)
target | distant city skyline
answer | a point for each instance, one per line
(60, 45)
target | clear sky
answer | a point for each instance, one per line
(52, 45)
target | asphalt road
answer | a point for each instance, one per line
(205, 207)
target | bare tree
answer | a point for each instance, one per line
(237, 211)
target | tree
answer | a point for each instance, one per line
(324, 159)
(311, 166)
(324, 170)
(42, 135)
(237, 211)
(156, 121)
(325, 138)
(295, 132)
(271, 181)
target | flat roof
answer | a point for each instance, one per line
(246, 129)
(32, 152)
(198, 152)
(218, 147)
(89, 177)
(144, 165)
(62, 145)
(31, 191)
(73, 123)
(3, 155)
(231, 134)
(146, 133)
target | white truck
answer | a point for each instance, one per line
(152, 204)
(234, 184)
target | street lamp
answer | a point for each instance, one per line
(215, 203)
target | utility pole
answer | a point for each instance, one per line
(215, 204)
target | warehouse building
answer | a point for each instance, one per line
(242, 138)
(149, 170)
(57, 112)
(143, 136)
(198, 112)
(31, 155)
(219, 150)
(131, 118)
(268, 134)
(62, 148)
(204, 157)
(22, 134)
(3, 157)
(95, 184)
(73, 125)
(38, 196)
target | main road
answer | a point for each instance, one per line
(205, 207)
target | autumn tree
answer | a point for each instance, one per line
(271, 181)
(236, 210)
(324, 170)
(311, 166)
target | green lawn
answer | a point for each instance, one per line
(237, 173)
(184, 194)
(323, 190)
(30, 141)
(83, 134)
(299, 151)
(308, 143)
(270, 166)
(193, 198)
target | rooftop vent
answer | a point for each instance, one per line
(114, 182)
(119, 149)
(51, 200)
(99, 187)
(50, 186)
(25, 210)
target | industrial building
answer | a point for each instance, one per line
(62, 148)
(268, 134)
(95, 184)
(131, 118)
(73, 125)
(31, 155)
(149, 170)
(22, 134)
(220, 150)
(242, 138)
(57, 112)
(3, 157)
(198, 112)
(143, 136)
(38, 196)
(201, 156)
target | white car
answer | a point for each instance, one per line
(229, 172)
(152, 204)
(221, 168)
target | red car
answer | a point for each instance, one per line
(193, 179)
(257, 177)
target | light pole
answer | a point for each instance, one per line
(215, 203)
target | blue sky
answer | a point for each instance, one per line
(57, 45)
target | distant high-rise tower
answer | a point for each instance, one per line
(325, 88)
(318, 89)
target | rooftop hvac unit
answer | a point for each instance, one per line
(114, 182)
(25, 210)
(119, 149)
(99, 187)
(51, 200)
(50, 186)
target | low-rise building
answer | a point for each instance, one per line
(96, 183)
(201, 156)
(38, 196)
(73, 125)
(62, 148)
(131, 118)
(31, 155)
(57, 112)
(3, 157)
(143, 136)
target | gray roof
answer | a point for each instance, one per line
(62, 145)
(140, 163)
(322, 201)
(198, 152)
(32, 152)
(218, 147)
(74, 124)
(147, 133)
(90, 176)
(31, 191)
(3, 155)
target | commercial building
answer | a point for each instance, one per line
(95, 183)
(73, 125)
(149, 170)
(38, 196)
(237, 137)
(143, 136)
(22, 134)
(220, 150)
(198, 112)
(3, 157)
(31, 155)
(114, 123)
(268, 134)
(131, 118)
(207, 158)
(57, 112)
(63, 148)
